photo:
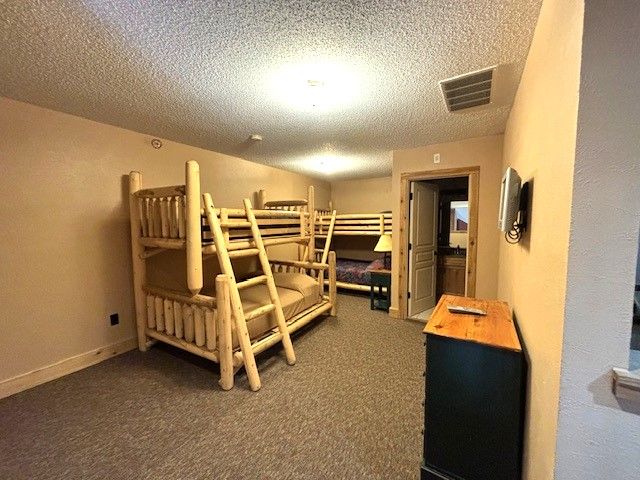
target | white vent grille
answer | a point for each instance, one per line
(468, 90)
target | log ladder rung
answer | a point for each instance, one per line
(251, 282)
(248, 252)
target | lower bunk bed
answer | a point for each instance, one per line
(356, 274)
(203, 324)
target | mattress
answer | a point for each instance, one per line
(297, 292)
(301, 283)
(356, 271)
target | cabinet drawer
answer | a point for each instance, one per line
(453, 261)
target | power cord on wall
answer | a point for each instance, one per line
(514, 235)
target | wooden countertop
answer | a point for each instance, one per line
(495, 329)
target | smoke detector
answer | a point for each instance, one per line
(468, 90)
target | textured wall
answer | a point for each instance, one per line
(598, 437)
(371, 195)
(485, 152)
(66, 261)
(539, 143)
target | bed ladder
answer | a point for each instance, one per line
(241, 317)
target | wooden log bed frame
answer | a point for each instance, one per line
(329, 224)
(352, 224)
(224, 325)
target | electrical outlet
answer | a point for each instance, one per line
(436, 158)
(114, 318)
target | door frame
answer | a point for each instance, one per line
(473, 173)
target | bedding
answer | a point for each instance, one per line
(297, 292)
(356, 271)
(257, 296)
(303, 284)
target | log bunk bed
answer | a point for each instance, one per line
(236, 318)
(353, 274)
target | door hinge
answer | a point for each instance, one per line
(411, 196)
(410, 246)
(408, 294)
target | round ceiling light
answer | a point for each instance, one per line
(320, 86)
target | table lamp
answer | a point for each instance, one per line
(384, 245)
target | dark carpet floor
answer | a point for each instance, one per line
(349, 409)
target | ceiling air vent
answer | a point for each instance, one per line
(468, 90)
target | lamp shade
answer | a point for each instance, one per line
(384, 243)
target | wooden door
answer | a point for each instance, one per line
(423, 217)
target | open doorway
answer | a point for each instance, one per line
(634, 357)
(438, 237)
(438, 232)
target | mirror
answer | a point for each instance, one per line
(459, 216)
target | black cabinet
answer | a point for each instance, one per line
(380, 279)
(474, 398)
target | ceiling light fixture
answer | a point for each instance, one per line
(320, 86)
(316, 92)
(328, 163)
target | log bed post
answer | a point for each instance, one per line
(139, 268)
(225, 354)
(194, 239)
(333, 289)
(262, 199)
(302, 250)
(311, 208)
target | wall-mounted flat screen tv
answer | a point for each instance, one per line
(509, 200)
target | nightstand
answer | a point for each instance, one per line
(381, 300)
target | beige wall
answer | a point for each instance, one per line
(369, 195)
(539, 142)
(484, 152)
(598, 433)
(66, 261)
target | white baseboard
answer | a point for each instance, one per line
(626, 384)
(64, 367)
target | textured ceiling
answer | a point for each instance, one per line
(211, 73)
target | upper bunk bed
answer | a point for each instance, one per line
(354, 224)
(264, 307)
(353, 273)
